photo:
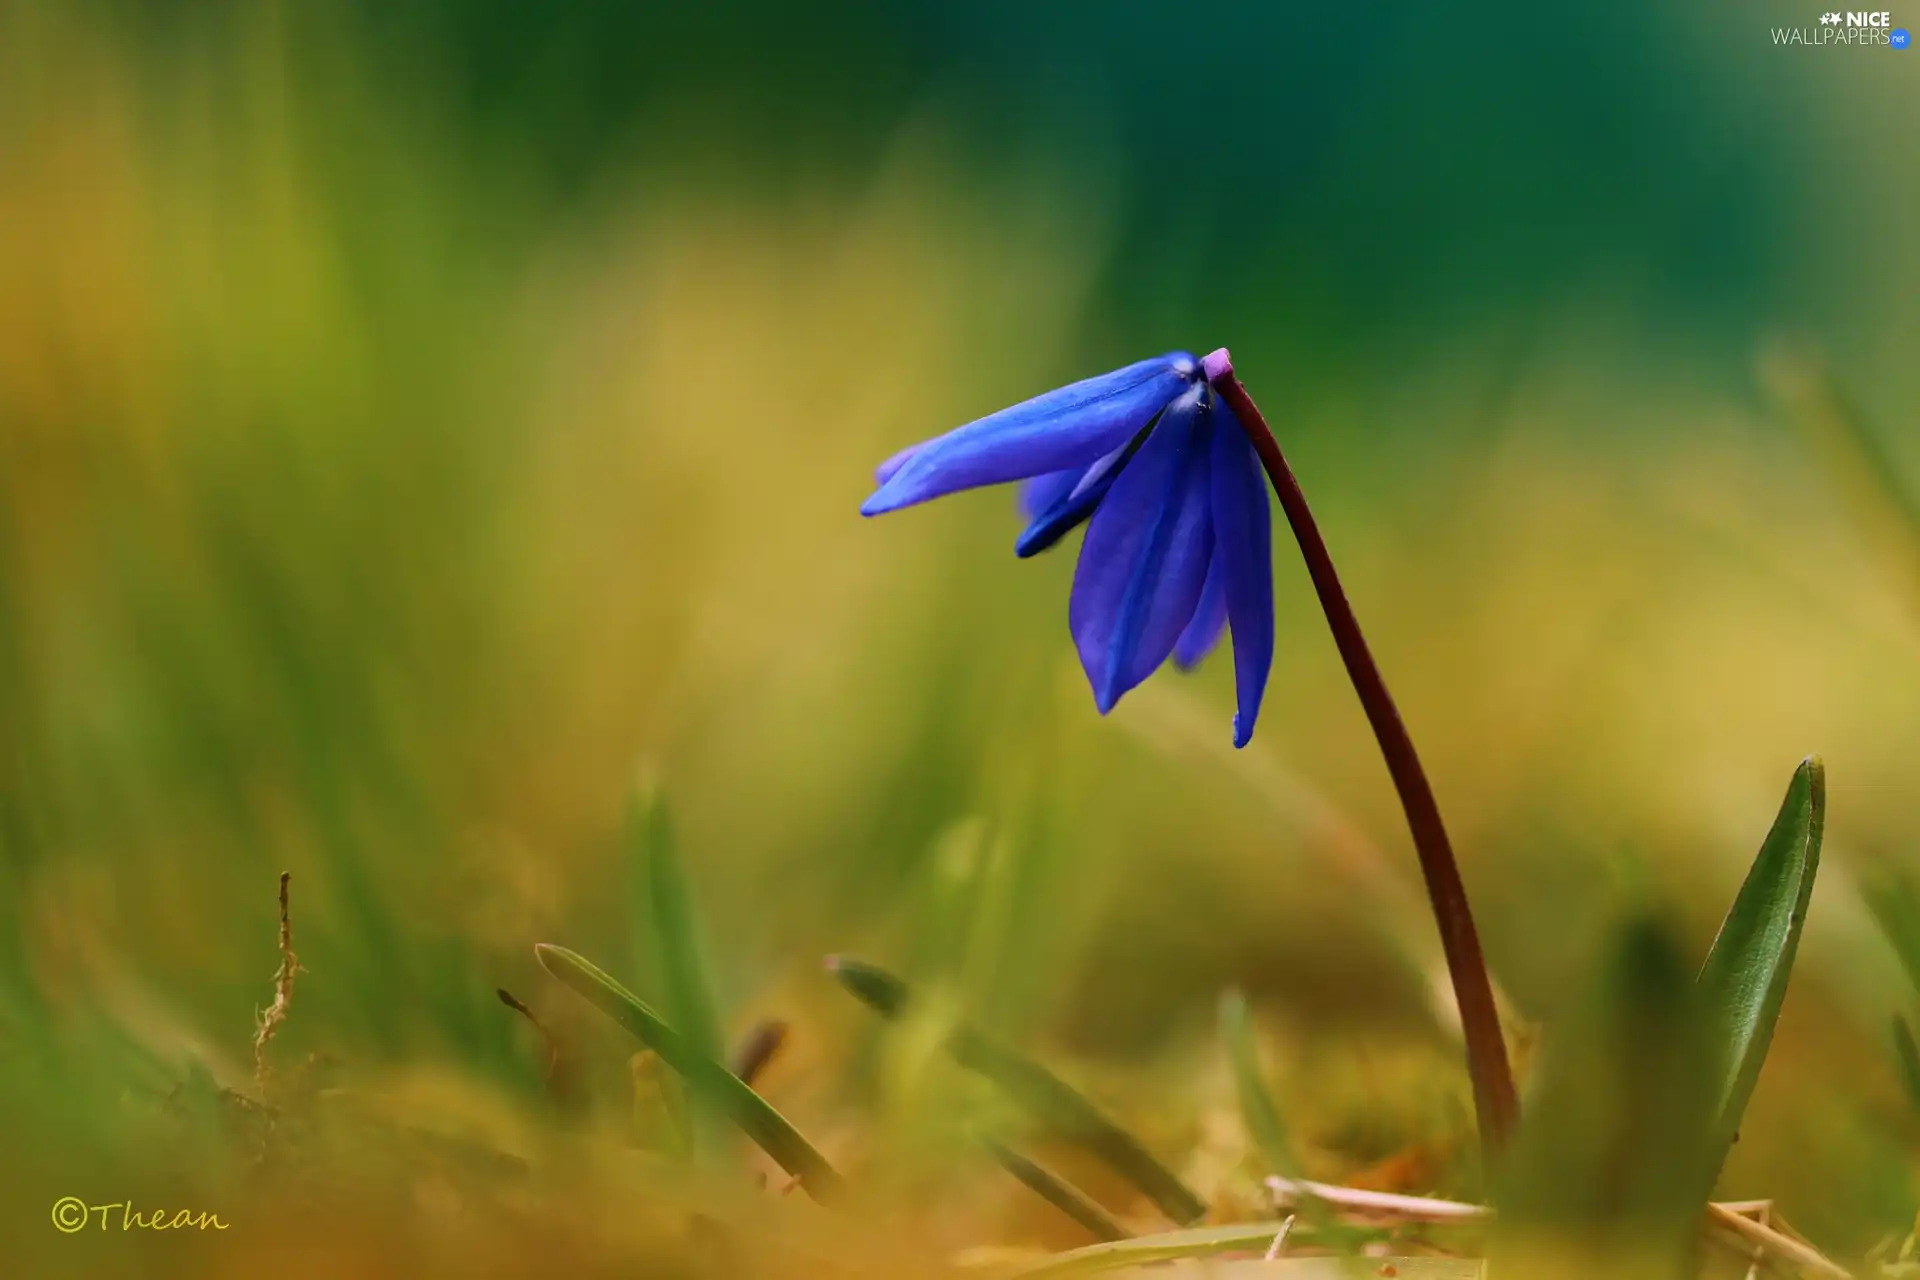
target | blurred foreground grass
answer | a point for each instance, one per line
(360, 520)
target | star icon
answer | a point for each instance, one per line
(1829, 19)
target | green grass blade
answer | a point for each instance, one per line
(1745, 976)
(680, 950)
(1864, 473)
(1062, 1109)
(1907, 1055)
(1895, 905)
(754, 1114)
(1198, 1242)
(689, 998)
(1620, 1145)
(1057, 1191)
(1257, 1109)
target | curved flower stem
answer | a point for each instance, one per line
(1493, 1093)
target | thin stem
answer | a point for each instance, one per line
(1493, 1094)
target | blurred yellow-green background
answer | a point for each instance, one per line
(417, 418)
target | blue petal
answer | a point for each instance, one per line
(1209, 616)
(1059, 431)
(1145, 555)
(1243, 551)
(885, 471)
(1041, 492)
(1074, 506)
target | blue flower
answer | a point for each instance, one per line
(1178, 544)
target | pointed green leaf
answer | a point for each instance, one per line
(1745, 976)
(755, 1116)
(1057, 1105)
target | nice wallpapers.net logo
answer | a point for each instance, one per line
(1847, 31)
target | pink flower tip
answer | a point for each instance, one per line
(1217, 365)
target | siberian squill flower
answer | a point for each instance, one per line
(1178, 542)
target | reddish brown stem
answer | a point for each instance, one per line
(1487, 1064)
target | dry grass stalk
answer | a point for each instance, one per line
(1384, 1204)
(268, 1022)
(1740, 1220)
(1757, 1235)
(1279, 1244)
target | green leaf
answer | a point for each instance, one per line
(1057, 1191)
(1745, 976)
(1058, 1106)
(738, 1102)
(681, 949)
(1262, 1118)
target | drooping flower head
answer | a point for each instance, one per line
(1178, 543)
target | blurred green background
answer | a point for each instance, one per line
(414, 418)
